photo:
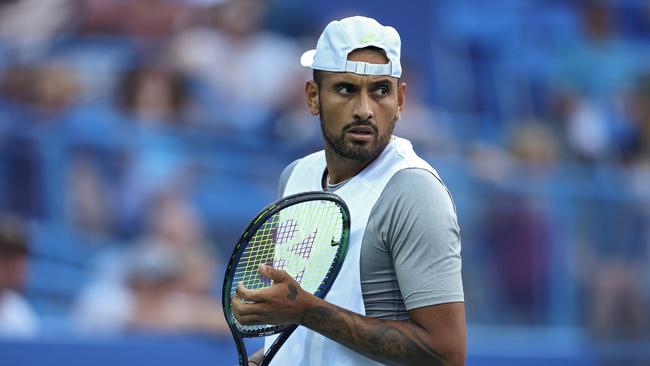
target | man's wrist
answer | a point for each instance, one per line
(307, 302)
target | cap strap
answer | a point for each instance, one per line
(365, 68)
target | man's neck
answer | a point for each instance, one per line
(340, 169)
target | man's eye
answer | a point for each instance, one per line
(345, 90)
(381, 91)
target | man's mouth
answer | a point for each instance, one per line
(361, 133)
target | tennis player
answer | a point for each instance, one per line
(398, 299)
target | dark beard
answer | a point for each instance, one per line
(353, 151)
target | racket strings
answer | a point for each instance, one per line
(303, 248)
(300, 239)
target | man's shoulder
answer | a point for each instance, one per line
(289, 168)
(284, 176)
(414, 187)
(411, 180)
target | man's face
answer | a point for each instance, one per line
(357, 112)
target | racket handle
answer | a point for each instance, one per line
(275, 347)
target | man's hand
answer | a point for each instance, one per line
(284, 302)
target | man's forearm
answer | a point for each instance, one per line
(391, 342)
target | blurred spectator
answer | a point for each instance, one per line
(155, 107)
(17, 318)
(21, 170)
(90, 195)
(23, 175)
(155, 96)
(29, 26)
(16, 88)
(160, 162)
(173, 222)
(638, 149)
(517, 226)
(56, 91)
(428, 129)
(149, 19)
(597, 50)
(42, 92)
(594, 121)
(163, 284)
(517, 233)
(169, 292)
(17, 85)
(588, 131)
(593, 131)
(534, 145)
(610, 267)
(296, 127)
(617, 307)
(251, 71)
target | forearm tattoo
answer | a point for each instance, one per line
(387, 341)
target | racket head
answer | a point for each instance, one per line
(306, 234)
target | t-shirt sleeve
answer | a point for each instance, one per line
(422, 234)
(284, 177)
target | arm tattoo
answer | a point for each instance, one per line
(394, 342)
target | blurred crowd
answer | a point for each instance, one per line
(127, 126)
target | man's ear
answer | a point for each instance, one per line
(311, 93)
(401, 97)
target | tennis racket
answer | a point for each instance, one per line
(305, 234)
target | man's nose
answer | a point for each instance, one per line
(363, 108)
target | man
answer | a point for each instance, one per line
(398, 299)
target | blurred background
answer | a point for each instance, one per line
(138, 137)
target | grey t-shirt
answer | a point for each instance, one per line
(410, 251)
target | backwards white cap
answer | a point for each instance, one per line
(341, 37)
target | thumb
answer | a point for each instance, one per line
(274, 274)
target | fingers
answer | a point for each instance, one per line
(245, 294)
(251, 319)
(250, 296)
(250, 313)
(276, 275)
(276, 304)
(246, 312)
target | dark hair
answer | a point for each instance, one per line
(316, 76)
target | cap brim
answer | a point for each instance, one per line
(307, 58)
